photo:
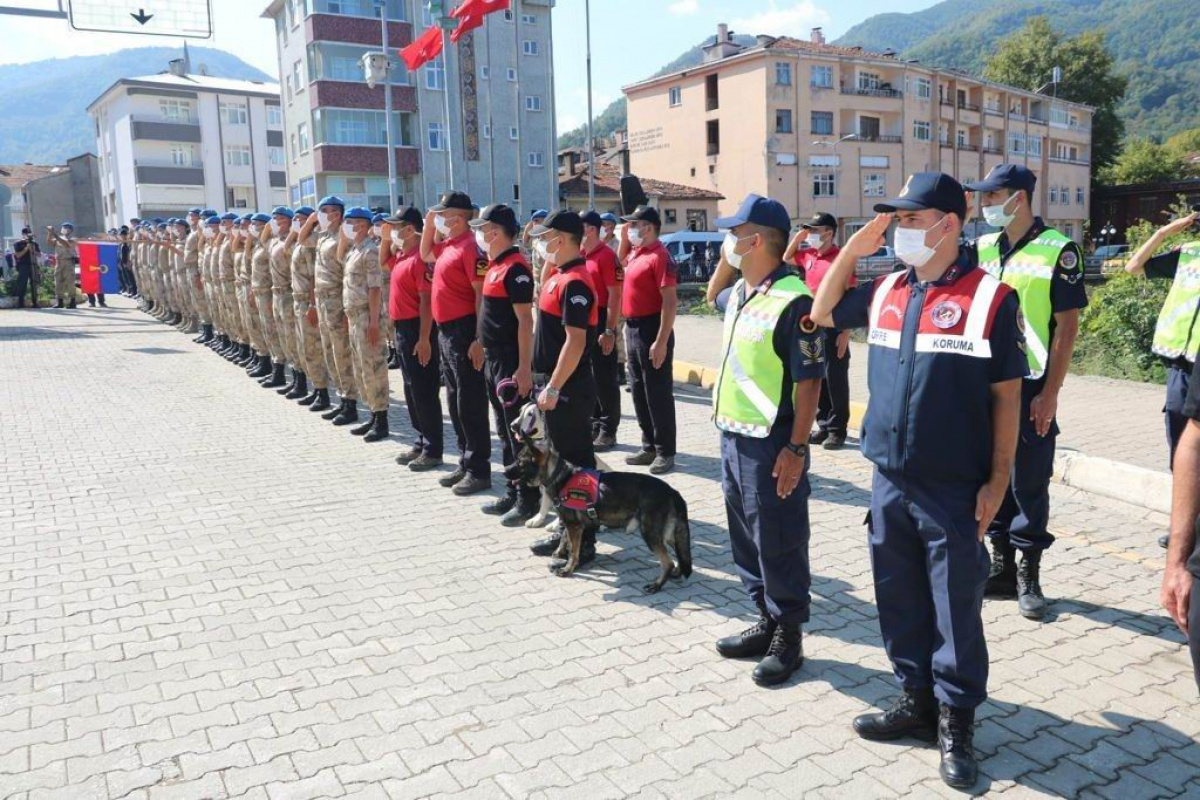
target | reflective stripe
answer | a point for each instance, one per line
(881, 293)
(981, 306)
(959, 345)
(749, 388)
(884, 338)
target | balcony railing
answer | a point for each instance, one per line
(971, 148)
(1082, 162)
(996, 151)
(166, 162)
(1017, 115)
(862, 91)
(1039, 120)
(997, 112)
(968, 107)
(879, 138)
(164, 120)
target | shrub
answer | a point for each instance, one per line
(1117, 329)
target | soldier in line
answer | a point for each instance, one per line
(362, 293)
(282, 309)
(66, 252)
(261, 285)
(308, 332)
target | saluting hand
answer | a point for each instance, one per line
(869, 238)
(1180, 225)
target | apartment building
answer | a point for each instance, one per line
(501, 127)
(834, 129)
(173, 141)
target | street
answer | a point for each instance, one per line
(207, 591)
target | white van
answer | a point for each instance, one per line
(695, 254)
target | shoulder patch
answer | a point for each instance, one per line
(481, 267)
(522, 279)
(812, 352)
(1068, 259)
(579, 300)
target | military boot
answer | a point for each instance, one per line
(276, 377)
(502, 505)
(1030, 600)
(320, 401)
(784, 657)
(361, 430)
(348, 415)
(287, 388)
(379, 430)
(752, 642)
(525, 510)
(914, 713)
(299, 385)
(1002, 577)
(333, 413)
(263, 369)
(956, 734)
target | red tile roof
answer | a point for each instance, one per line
(788, 43)
(14, 176)
(608, 181)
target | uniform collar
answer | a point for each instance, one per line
(514, 250)
(962, 266)
(599, 246)
(1034, 231)
(575, 262)
(779, 273)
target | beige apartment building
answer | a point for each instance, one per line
(826, 128)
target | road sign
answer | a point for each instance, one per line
(188, 18)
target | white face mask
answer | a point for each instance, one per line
(323, 220)
(996, 215)
(813, 240)
(64, 232)
(481, 240)
(256, 230)
(210, 233)
(348, 229)
(376, 231)
(729, 250)
(275, 227)
(635, 237)
(439, 222)
(396, 240)
(911, 248)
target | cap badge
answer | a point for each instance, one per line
(946, 314)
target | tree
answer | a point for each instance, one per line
(1143, 161)
(1027, 59)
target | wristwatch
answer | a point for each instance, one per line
(609, 332)
(797, 449)
(551, 392)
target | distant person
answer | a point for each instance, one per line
(26, 256)
(65, 253)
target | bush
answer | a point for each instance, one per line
(1117, 329)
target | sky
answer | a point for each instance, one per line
(631, 39)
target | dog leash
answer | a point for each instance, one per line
(509, 394)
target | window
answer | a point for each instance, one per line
(783, 73)
(295, 150)
(529, 47)
(825, 161)
(437, 136)
(288, 82)
(275, 157)
(783, 120)
(533, 102)
(868, 81)
(528, 19)
(822, 123)
(359, 190)
(508, 17)
(824, 184)
(960, 137)
(537, 159)
(921, 131)
(1016, 142)
(239, 196)
(675, 97)
(511, 75)
(233, 113)
(308, 190)
(924, 88)
(302, 132)
(874, 184)
(873, 161)
(175, 110)
(670, 216)
(1035, 146)
(487, 130)
(298, 76)
(183, 155)
(236, 156)
(334, 61)
(350, 126)
(484, 73)
(358, 8)
(1064, 195)
(1079, 196)
(342, 68)
(513, 133)
(1053, 195)
(435, 75)
(821, 77)
(274, 117)
(294, 195)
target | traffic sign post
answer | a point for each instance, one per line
(190, 19)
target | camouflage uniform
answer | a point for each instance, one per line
(283, 311)
(370, 361)
(260, 284)
(308, 336)
(192, 276)
(242, 264)
(65, 254)
(227, 278)
(164, 272)
(335, 339)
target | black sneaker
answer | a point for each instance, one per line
(424, 463)
(501, 505)
(835, 441)
(604, 443)
(472, 484)
(404, 459)
(819, 437)
(549, 545)
(452, 479)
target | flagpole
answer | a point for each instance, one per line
(487, 47)
(587, 15)
(447, 140)
(552, 166)
(387, 108)
(518, 108)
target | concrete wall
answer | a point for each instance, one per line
(71, 195)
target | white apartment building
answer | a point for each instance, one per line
(174, 141)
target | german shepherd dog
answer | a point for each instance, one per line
(638, 503)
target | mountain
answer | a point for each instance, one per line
(42, 104)
(1156, 43)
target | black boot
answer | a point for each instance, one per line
(587, 551)
(956, 734)
(914, 713)
(361, 430)
(525, 510)
(379, 430)
(547, 546)
(320, 401)
(752, 642)
(1030, 600)
(333, 413)
(1002, 577)
(287, 388)
(247, 356)
(503, 505)
(784, 657)
(263, 369)
(348, 415)
(299, 385)
(276, 378)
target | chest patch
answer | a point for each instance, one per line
(946, 314)
(581, 492)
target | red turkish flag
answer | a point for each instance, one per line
(423, 49)
(478, 8)
(465, 26)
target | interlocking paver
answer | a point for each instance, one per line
(213, 594)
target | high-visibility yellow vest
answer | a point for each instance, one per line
(1177, 334)
(750, 384)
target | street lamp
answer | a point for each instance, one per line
(1107, 231)
(849, 137)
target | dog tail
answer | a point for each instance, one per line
(683, 537)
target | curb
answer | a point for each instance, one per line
(1137, 486)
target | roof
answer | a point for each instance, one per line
(165, 80)
(14, 176)
(788, 43)
(608, 181)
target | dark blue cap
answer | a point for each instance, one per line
(246, 217)
(195, 211)
(282, 211)
(229, 216)
(208, 212)
(608, 216)
(332, 200)
(358, 212)
(162, 226)
(260, 217)
(759, 210)
(459, 201)
(158, 220)
(410, 216)
(591, 217)
(497, 214)
(213, 220)
(925, 190)
(541, 212)
(1006, 176)
(305, 211)
(377, 218)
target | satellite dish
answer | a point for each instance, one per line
(5, 195)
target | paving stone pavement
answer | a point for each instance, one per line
(205, 591)
(1113, 419)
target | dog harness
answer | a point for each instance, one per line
(580, 493)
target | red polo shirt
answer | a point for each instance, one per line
(458, 268)
(649, 271)
(410, 280)
(815, 265)
(605, 272)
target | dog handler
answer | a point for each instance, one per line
(764, 403)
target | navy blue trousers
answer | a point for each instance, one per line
(1024, 516)
(769, 536)
(930, 569)
(1177, 388)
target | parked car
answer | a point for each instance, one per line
(695, 254)
(882, 262)
(1106, 260)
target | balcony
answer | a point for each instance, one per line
(160, 129)
(166, 173)
(1039, 120)
(970, 148)
(873, 138)
(1079, 162)
(862, 91)
(968, 107)
(995, 151)
(994, 111)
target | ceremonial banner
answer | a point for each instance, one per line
(98, 263)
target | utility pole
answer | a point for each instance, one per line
(393, 189)
(591, 146)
